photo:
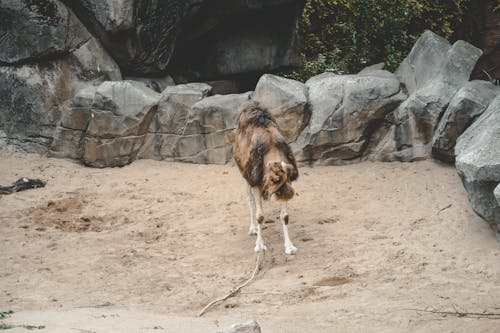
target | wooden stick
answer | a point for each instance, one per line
(444, 208)
(488, 315)
(234, 291)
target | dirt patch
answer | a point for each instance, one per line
(68, 215)
(332, 281)
(173, 237)
(65, 215)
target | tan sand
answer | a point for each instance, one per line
(154, 242)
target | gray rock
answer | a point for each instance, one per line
(29, 107)
(224, 87)
(35, 29)
(128, 99)
(213, 39)
(94, 62)
(120, 117)
(33, 98)
(250, 326)
(67, 143)
(170, 119)
(433, 72)
(84, 97)
(215, 113)
(112, 15)
(158, 84)
(496, 192)
(140, 35)
(478, 163)
(345, 112)
(373, 68)
(202, 132)
(69, 134)
(465, 106)
(77, 116)
(286, 100)
(423, 62)
(383, 145)
(175, 104)
(101, 153)
(377, 72)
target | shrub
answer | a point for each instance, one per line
(345, 36)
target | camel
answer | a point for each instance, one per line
(267, 163)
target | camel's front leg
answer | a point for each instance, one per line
(289, 247)
(259, 243)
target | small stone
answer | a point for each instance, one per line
(250, 326)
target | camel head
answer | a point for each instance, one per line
(276, 180)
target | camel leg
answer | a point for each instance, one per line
(251, 205)
(289, 247)
(259, 243)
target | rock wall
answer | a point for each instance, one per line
(331, 119)
(150, 37)
(51, 49)
(33, 30)
(34, 97)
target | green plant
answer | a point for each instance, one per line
(347, 35)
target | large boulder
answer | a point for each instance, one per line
(467, 104)
(210, 39)
(423, 62)
(286, 100)
(140, 35)
(171, 118)
(175, 105)
(33, 98)
(478, 163)
(191, 127)
(121, 114)
(432, 72)
(345, 111)
(70, 133)
(32, 30)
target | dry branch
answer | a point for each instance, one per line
(234, 291)
(462, 314)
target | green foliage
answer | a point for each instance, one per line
(345, 36)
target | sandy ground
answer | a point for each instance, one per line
(144, 247)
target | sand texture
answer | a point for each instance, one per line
(144, 247)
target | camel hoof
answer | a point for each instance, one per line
(259, 247)
(252, 230)
(290, 249)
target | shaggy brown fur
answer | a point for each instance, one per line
(259, 150)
